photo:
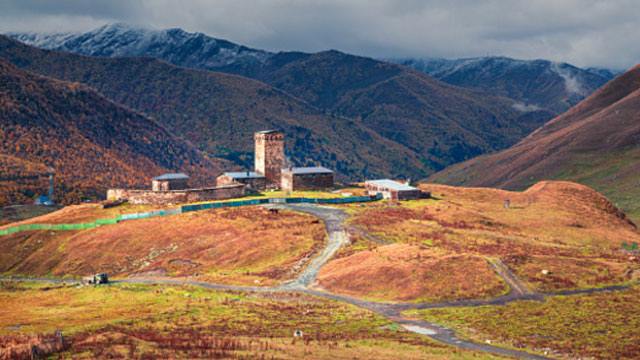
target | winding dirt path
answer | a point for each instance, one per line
(334, 223)
(517, 286)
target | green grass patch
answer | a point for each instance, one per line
(602, 325)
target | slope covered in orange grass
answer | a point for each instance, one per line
(568, 229)
(240, 246)
(91, 142)
(20, 178)
(404, 272)
(594, 143)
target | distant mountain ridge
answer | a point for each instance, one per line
(344, 108)
(597, 143)
(176, 46)
(534, 84)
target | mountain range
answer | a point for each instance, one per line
(541, 85)
(597, 143)
(546, 87)
(219, 112)
(403, 122)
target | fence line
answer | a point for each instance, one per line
(182, 209)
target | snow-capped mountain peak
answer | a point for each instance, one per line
(173, 45)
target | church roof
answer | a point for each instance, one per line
(172, 176)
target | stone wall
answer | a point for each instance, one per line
(165, 185)
(254, 184)
(314, 181)
(393, 194)
(171, 197)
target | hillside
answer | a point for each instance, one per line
(237, 246)
(595, 143)
(540, 85)
(441, 124)
(21, 179)
(442, 248)
(91, 142)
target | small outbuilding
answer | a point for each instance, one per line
(172, 181)
(307, 178)
(392, 190)
(252, 180)
(96, 279)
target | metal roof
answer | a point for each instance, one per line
(267, 131)
(309, 170)
(244, 175)
(390, 184)
(172, 176)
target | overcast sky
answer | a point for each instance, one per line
(582, 32)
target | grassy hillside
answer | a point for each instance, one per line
(594, 143)
(139, 321)
(91, 142)
(440, 249)
(599, 326)
(239, 246)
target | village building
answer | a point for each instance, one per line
(269, 156)
(166, 182)
(307, 178)
(251, 179)
(392, 190)
(168, 189)
(271, 171)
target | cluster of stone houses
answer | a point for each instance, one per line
(271, 172)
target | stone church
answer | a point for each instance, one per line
(272, 171)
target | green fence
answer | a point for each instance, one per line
(216, 205)
(184, 208)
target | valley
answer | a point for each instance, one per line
(169, 194)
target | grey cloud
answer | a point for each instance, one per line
(582, 32)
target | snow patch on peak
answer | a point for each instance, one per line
(173, 45)
(45, 41)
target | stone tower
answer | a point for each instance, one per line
(269, 156)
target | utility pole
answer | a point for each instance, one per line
(50, 194)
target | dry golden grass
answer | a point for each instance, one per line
(12, 214)
(403, 272)
(241, 246)
(568, 229)
(140, 321)
(596, 326)
(73, 214)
